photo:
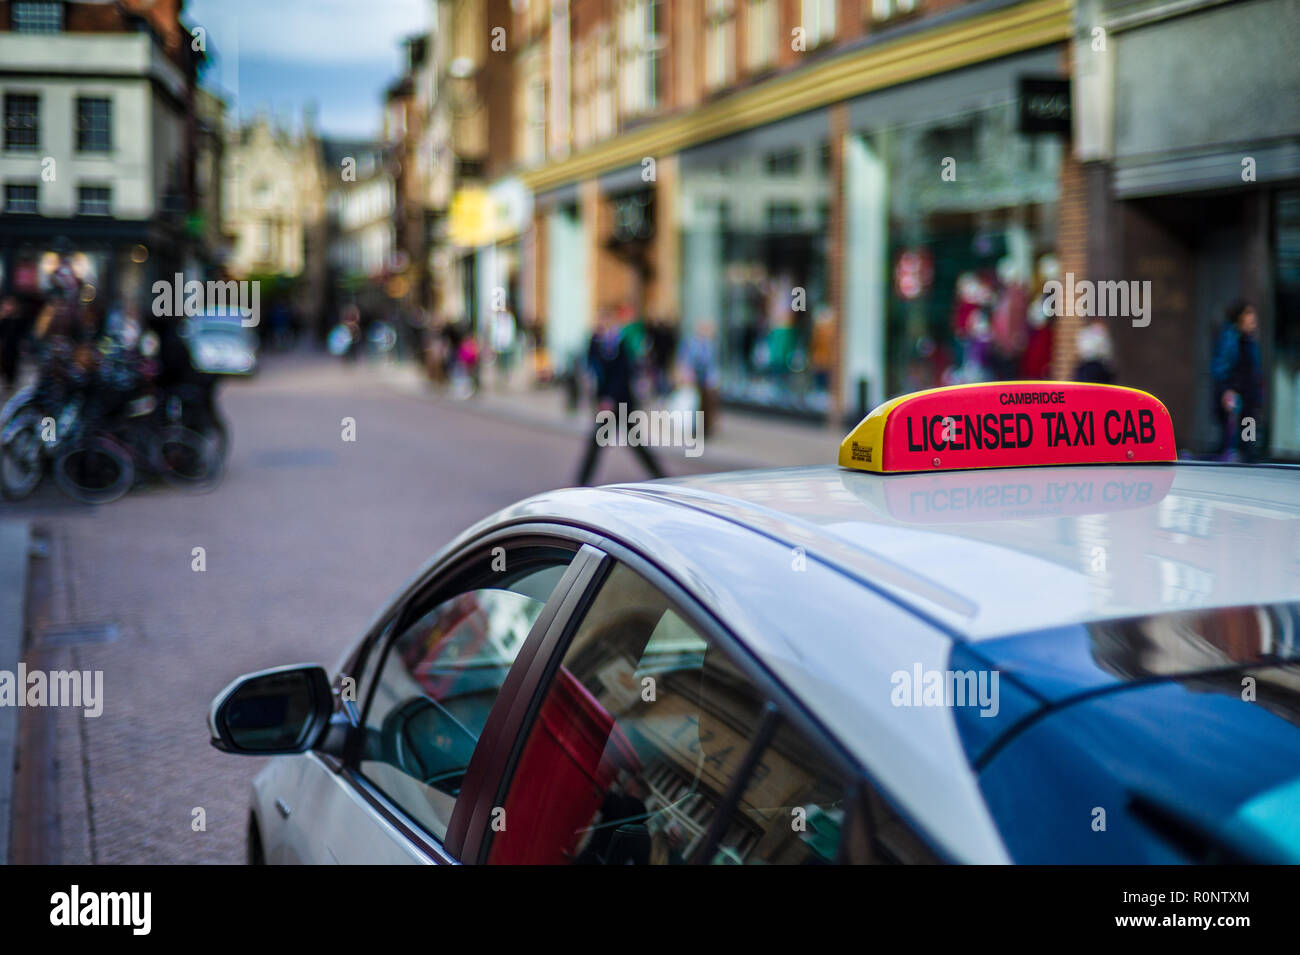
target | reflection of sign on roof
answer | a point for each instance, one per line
(999, 496)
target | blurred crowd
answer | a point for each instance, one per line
(66, 337)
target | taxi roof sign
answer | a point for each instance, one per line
(1011, 424)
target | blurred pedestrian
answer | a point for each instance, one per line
(1238, 379)
(465, 375)
(662, 336)
(1096, 357)
(699, 354)
(505, 334)
(11, 339)
(611, 361)
(821, 348)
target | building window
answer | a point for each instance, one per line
(760, 34)
(638, 57)
(719, 43)
(818, 21)
(22, 199)
(887, 9)
(37, 16)
(583, 83)
(784, 216)
(606, 79)
(94, 201)
(94, 124)
(784, 163)
(531, 105)
(22, 124)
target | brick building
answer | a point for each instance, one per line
(101, 133)
(825, 182)
(859, 197)
(1188, 150)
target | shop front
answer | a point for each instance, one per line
(116, 260)
(950, 233)
(754, 218)
(1203, 201)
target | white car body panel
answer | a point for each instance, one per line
(329, 822)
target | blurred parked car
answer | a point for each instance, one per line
(221, 345)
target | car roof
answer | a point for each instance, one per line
(986, 553)
(902, 570)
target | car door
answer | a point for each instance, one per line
(652, 740)
(426, 683)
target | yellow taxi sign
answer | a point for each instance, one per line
(1011, 424)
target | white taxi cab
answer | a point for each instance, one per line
(1008, 627)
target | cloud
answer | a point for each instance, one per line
(335, 32)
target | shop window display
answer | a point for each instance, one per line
(754, 264)
(972, 223)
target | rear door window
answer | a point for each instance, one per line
(644, 752)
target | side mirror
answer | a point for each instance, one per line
(272, 712)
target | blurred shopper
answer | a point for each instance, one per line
(353, 323)
(465, 373)
(437, 352)
(1008, 325)
(699, 356)
(1036, 362)
(611, 362)
(1096, 357)
(505, 336)
(663, 347)
(1238, 379)
(11, 339)
(821, 348)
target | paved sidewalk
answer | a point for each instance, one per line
(14, 546)
(743, 439)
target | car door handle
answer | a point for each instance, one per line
(282, 807)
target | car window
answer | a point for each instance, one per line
(637, 747)
(366, 666)
(437, 683)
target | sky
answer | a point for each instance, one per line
(279, 55)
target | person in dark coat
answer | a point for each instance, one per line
(1238, 380)
(612, 364)
(12, 332)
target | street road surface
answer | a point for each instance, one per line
(305, 539)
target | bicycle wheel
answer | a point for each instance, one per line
(21, 461)
(185, 458)
(94, 471)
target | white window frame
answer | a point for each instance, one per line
(719, 43)
(762, 24)
(818, 21)
(882, 10)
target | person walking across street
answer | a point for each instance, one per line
(611, 361)
(1238, 380)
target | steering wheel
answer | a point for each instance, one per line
(421, 719)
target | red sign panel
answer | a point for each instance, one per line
(1018, 424)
